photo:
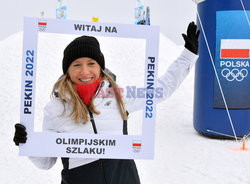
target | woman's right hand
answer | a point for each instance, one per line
(20, 134)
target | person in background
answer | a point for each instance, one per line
(76, 107)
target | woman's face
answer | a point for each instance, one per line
(84, 71)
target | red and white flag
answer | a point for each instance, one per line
(42, 23)
(136, 144)
(235, 49)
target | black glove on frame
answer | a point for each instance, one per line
(191, 39)
(20, 134)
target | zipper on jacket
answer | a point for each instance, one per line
(92, 122)
(125, 126)
(99, 88)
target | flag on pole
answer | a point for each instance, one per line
(147, 16)
(140, 12)
(61, 10)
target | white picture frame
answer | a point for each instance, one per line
(45, 144)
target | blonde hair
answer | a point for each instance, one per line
(66, 91)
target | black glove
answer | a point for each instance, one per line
(20, 134)
(191, 39)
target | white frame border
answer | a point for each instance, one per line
(43, 144)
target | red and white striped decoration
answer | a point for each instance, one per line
(235, 49)
(42, 23)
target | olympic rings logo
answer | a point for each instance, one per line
(234, 74)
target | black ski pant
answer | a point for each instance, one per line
(103, 171)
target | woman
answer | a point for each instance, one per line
(77, 106)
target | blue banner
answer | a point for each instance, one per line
(232, 59)
(61, 10)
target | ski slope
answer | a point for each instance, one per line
(181, 155)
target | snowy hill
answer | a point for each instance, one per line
(182, 156)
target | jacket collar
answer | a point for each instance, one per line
(101, 92)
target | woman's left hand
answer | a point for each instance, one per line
(191, 38)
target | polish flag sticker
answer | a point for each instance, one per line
(42, 23)
(136, 145)
(235, 49)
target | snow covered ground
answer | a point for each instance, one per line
(181, 157)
